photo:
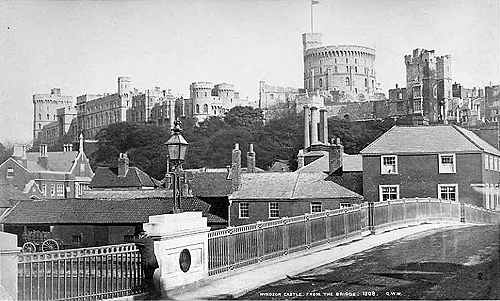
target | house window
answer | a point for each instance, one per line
(417, 92)
(52, 190)
(447, 163)
(486, 162)
(316, 207)
(448, 192)
(274, 210)
(10, 172)
(345, 205)
(490, 163)
(44, 189)
(60, 190)
(243, 210)
(388, 192)
(389, 165)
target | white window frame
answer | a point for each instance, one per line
(490, 162)
(274, 210)
(60, 189)
(316, 204)
(383, 171)
(345, 205)
(442, 167)
(380, 187)
(52, 189)
(240, 210)
(10, 172)
(447, 185)
(486, 162)
(43, 189)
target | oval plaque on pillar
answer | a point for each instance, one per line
(185, 260)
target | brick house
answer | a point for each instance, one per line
(447, 162)
(55, 175)
(93, 222)
(271, 195)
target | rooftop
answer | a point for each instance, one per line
(350, 163)
(290, 186)
(56, 161)
(107, 177)
(428, 139)
(92, 211)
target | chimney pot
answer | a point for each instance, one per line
(123, 165)
(251, 159)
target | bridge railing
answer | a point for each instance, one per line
(245, 245)
(83, 274)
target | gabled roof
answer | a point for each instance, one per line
(56, 161)
(91, 211)
(428, 139)
(350, 163)
(107, 177)
(289, 186)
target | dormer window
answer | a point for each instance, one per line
(447, 163)
(389, 164)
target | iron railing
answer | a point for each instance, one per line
(241, 246)
(82, 274)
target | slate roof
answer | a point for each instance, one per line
(9, 192)
(210, 184)
(428, 139)
(106, 177)
(56, 161)
(127, 194)
(289, 186)
(91, 211)
(350, 163)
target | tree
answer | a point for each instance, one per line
(5, 152)
(246, 117)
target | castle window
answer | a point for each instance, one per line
(321, 82)
(197, 109)
(355, 61)
(48, 116)
(355, 69)
(336, 69)
(39, 116)
(347, 60)
(366, 82)
(347, 69)
(205, 108)
(347, 81)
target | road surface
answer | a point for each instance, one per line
(458, 263)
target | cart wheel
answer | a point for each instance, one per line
(50, 245)
(29, 247)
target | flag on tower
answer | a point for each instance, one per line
(313, 2)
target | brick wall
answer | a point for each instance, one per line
(418, 176)
(259, 209)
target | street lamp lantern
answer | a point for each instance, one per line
(177, 147)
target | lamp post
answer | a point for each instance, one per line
(177, 147)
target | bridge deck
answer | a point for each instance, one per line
(239, 282)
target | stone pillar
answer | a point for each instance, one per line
(8, 266)
(307, 133)
(314, 125)
(321, 133)
(323, 117)
(181, 248)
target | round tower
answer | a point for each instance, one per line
(201, 96)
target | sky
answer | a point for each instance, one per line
(83, 46)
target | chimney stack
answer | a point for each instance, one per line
(314, 125)
(236, 167)
(300, 159)
(43, 160)
(323, 126)
(307, 133)
(80, 147)
(123, 164)
(251, 159)
(335, 156)
(20, 155)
